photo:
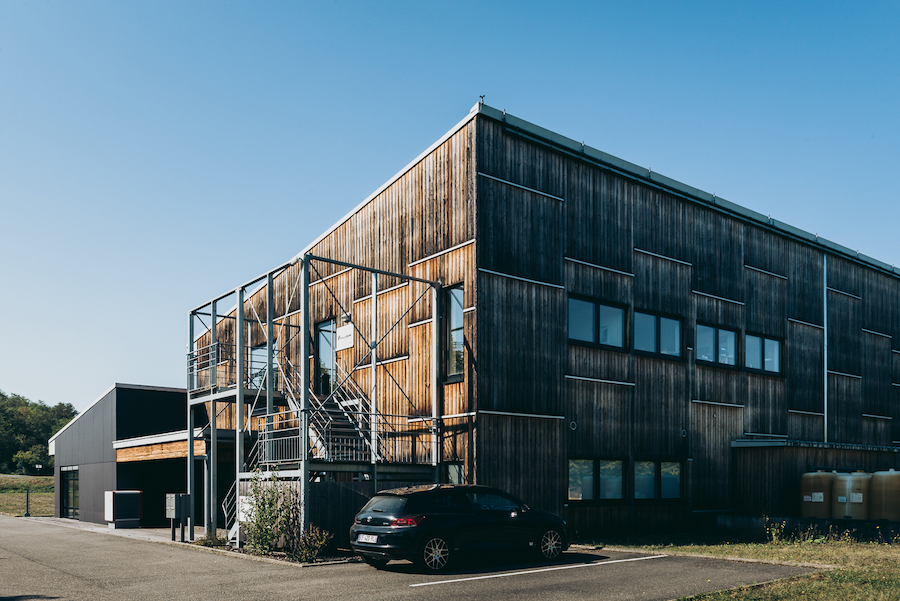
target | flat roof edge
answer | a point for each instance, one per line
(695, 194)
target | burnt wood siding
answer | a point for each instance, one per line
(559, 220)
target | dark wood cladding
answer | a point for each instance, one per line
(559, 219)
(523, 454)
(770, 482)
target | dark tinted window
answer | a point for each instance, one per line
(385, 504)
(491, 501)
(453, 500)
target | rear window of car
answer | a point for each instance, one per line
(385, 504)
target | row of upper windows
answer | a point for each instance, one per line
(604, 325)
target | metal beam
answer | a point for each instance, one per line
(373, 270)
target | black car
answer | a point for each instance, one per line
(430, 524)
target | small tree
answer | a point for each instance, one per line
(268, 513)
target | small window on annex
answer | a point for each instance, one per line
(715, 345)
(609, 475)
(595, 323)
(655, 334)
(762, 354)
(454, 343)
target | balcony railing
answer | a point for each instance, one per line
(342, 436)
(215, 366)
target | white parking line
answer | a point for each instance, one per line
(553, 569)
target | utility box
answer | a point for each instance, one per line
(177, 506)
(123, 508)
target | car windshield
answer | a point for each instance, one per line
(385, 504)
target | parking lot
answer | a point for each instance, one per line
(40, 560)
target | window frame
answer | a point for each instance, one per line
(597, 303)
(657, 481)
(762, 355)
(317, 354)
(447, 333)
(596, 499)
(658, 317)
(738, 359)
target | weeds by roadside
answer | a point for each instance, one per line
(867, 560)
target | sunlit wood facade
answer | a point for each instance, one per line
(628, 342)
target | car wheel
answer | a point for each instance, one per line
(375, 563)
(551, 544)
(435, 554)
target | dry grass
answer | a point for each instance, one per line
(864, 570)
(12, 495)
(13, 503)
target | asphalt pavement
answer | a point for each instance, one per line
(63, 559)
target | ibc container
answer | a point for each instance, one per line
(850, 496)
(815, 490)
(884, 496)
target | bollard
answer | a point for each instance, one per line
(27, 502)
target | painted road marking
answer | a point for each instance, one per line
(553, 569)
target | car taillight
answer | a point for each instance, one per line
(400, 522)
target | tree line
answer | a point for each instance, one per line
(25, 428)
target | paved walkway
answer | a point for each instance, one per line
(150, 534)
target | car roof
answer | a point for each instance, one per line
(426, 488)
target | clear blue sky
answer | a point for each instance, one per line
(155, 154)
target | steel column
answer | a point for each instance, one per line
(373, 397)
(435, 380)
(239, 405)
(304, 392)
(213, 451)
(825, 339)
(190, 429)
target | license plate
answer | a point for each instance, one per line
(367, 538)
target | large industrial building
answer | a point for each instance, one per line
(517, 309)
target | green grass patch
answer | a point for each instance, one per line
(23, 483)
(864, 569)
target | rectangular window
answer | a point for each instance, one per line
(581, 321)
(762, 354)
(655, 334)
(772, 356)
(706, 343)
(715, 345)
(669, 337)
(753, 352)
(610, 484)
(726, 347)
(454, 347)
(581, 479)
(645, 332)
(612, 326)
(644, 479)
(325, 358)
(594, 323)
(670, 480)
